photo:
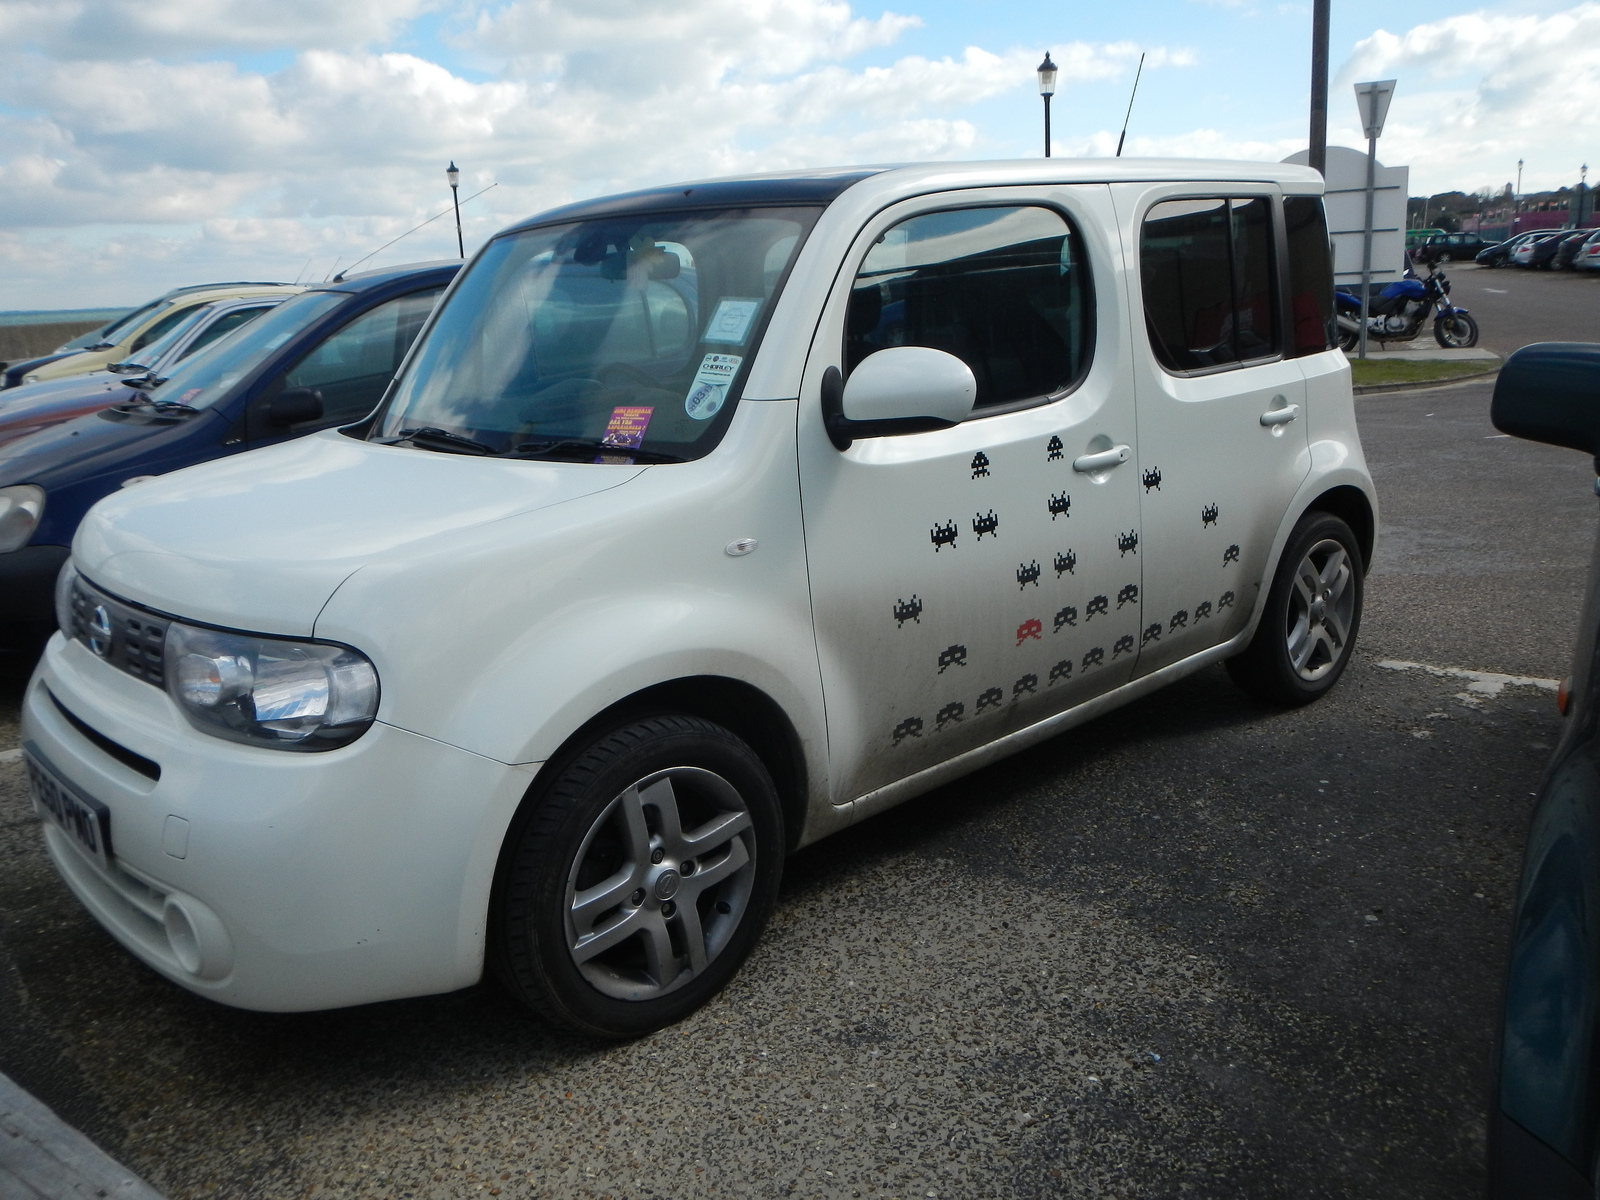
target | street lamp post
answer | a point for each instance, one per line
(1583, 193)
(454, 176)
(1047, 88)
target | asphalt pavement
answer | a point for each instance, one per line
(1515, 306)
(1198, 947)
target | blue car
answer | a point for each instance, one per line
(1544, 1114)
(319, 359)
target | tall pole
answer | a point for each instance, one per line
(1319, 86)
(1366, 241)
(1047, 126)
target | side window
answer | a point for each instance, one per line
(222, 326)
(1003, 289)
(1310, 275)
(352, 367)
(1210, 296)
(160, 329)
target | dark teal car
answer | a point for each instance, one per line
(319, 359)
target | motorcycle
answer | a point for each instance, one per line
(1397, 313)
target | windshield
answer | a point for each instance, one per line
(631, 333)
(151, 354)
(207, 377)
(95, 336)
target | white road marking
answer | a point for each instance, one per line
(1497, 291)
(1480, 683)
(10, 756)
(1491, 436)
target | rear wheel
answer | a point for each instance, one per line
(637, 881)
(1455, 331)
(1312, 614)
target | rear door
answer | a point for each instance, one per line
(1221, 428)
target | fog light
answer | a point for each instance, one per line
(197, 938)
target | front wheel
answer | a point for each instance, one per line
(1308, 627)
(638, 879)
(1455, 330)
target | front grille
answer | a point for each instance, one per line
(125, 636)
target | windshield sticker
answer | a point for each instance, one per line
(189, 395)
(730, 324)
(626, 428)
(710, 386)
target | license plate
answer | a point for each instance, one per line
(82, 818)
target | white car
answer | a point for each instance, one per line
(699, 523)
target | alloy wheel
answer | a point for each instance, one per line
(1321, 609)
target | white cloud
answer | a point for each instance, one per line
(87, 28)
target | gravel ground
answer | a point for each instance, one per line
(1195, 948)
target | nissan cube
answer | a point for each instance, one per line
(698, 524)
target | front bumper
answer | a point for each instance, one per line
(267, 879)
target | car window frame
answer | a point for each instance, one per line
(1278, 241)
(876, 226)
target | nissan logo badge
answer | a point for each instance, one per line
(100, 631)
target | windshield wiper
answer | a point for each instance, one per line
(430, 437)
(589, 445)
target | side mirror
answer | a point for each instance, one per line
(904, 389)
(1550, 392)
(294, 406)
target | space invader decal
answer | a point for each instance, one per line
(1028, 573)
(1128, 543)
(943, 535)
(1231, 554)
(1061, 671)
(1031, 628)
(980, 465)
(953, 656)
(1066, 563)
(1098, 607)
(1060, 505)
(950, 712)
(908, 610)
(1180, 620)
(1152, 479)
(987, 523)
(991, 698)
(1067, 616)
(1124, 645)
(1208, 515)
(1093, 658)
(1202, 610)
(1128, 595)
(1152, 633)
(910, 727)
(1225, 602)
(1053, 449)
(1027, 683)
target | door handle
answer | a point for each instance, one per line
(1280, 416)
(1103, 460)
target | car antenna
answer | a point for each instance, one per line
(1131, 95)
(339, 278)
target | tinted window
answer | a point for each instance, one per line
(1208, 279)
(353, 367)
(1002, 289)
(161, 328)
(1310, 275)
(224, 324)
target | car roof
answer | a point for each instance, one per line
(444, 268)
(209, 287)
(824, 185)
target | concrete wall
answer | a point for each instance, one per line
(29, 341)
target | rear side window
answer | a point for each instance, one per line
(1310, 276)
(353, 367)
(1210, 296)
(1002, 289)
(224, 324)
(161, 328)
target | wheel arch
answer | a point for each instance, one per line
(1350, 505)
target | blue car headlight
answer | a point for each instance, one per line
(289, 695)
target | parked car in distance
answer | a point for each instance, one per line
(1499, 255)
(1571, 243)
(147, 324)
(1540, 252)
(1448, 247)
(527, 670)
(320, 358)
(37, 406)
(1416, 237)
(1544, 1112)
(1587, 256)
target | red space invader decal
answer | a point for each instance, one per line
(1030, 628)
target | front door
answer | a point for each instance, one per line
(1222, 426)
(971, 581)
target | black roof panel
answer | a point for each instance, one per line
(769, 191)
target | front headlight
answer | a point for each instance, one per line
(266, 692)
(64, 614)
(20, 509)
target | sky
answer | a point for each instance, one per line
(146, 144)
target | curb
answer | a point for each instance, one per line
(1418, 385)
(44, 1158)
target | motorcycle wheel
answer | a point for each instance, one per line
(1349, 339)
(1455, 331)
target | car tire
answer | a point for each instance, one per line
(636, 880)
(1306, 634)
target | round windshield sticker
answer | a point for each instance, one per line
(704, 400)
